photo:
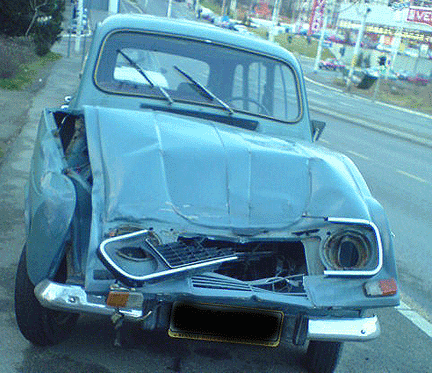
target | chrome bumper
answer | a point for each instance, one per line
(73, 298)
(361, 329)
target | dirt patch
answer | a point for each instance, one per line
(15, 52)
(45, 361)
(14, 106)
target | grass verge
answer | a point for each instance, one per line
(395, 92)
(28, 72)
(300, 45)
(212, 6)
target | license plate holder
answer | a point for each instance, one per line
(222, 323)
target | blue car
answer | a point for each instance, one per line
(184, 188)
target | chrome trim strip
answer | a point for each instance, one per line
(363, 329)
(379, 245)
(73, 298)
(156, 274)
(172, 271)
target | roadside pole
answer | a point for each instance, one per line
(233, 9)
(357, 47)
(113, 6)
(275, 18)
(169, 8)
(223, 7)
(321, 41)
(79, 26)
(377, 86)
(403, 12)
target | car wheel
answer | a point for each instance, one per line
(41, 326)
(322, 357)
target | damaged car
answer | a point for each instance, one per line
(183, 188)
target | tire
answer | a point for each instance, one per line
(322, 357)
(40, 325)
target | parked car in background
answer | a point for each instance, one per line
(192, 196)
(403, 74)
(331, 64)
(336, 39)
(376, 71)
(419, 79)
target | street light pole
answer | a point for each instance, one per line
(398, 37)
(79, 26)
(321, 41)
(233, 9)
(223, 7)
(357, 46)
(113, 6)
(169, 8)
(275, 17)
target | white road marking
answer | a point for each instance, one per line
(344, 103)
(314, 91)
(358, 155)
(411, 176)
(415, 318)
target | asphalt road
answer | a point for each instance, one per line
(396, 170)
(397, 173)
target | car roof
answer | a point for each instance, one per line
(195, 30)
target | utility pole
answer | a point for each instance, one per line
(223, 8)
(275, 18)
(79, 26)
(357, 46)
(169, 8)
(233, 9)
(403, 11)
(327, 11)
(113, 6)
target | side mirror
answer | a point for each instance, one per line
(317, 129)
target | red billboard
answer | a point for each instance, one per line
(420, 12)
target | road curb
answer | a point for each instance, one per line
(396, 132)
(377, 126)
(405, 110)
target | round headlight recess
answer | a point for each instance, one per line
(347, 250)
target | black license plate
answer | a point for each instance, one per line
(225, 324)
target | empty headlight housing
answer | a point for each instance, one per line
(347, 250)
(140, 256)
(352, 247)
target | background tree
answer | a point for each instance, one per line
(15, 17)
(40, 19)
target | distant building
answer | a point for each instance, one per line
(384, 22)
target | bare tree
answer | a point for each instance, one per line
(35, 7)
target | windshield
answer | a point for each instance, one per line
(134, 63)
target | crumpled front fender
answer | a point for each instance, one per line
(50, 203)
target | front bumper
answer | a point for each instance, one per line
(73, 298)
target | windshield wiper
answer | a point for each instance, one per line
(204, 91)
(146, 77)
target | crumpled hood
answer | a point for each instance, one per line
(171, 168)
